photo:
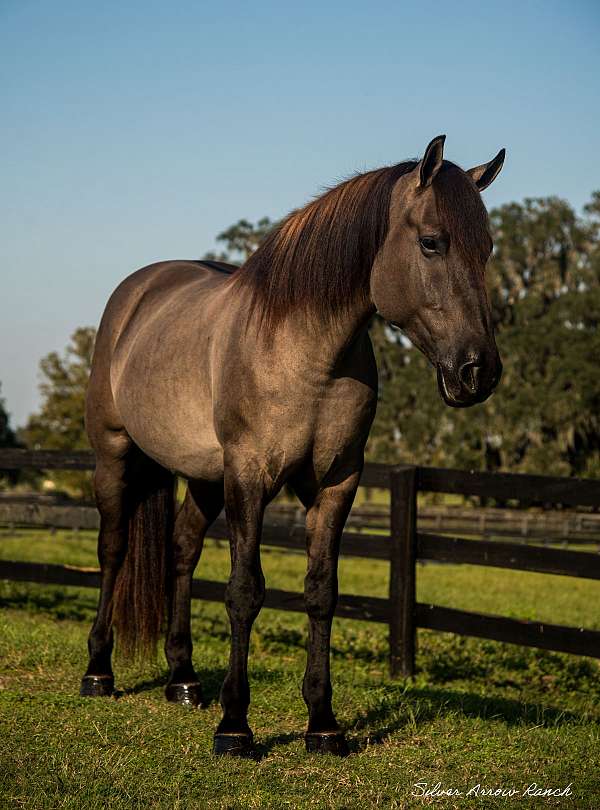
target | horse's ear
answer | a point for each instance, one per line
(432, 161)
(485, 174)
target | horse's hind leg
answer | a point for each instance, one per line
(202, 504)
(110, 486)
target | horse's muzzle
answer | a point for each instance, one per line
(469, 380)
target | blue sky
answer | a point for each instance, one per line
(137, 131)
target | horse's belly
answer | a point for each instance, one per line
(198, 460)
(173, 427)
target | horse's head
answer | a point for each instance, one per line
(428, 277)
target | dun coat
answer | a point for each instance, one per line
(243, 379)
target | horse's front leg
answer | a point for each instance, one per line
(245, 499)
(324, 524)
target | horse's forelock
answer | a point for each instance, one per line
(461, 210)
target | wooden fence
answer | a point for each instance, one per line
(558, 527)
(403, 547)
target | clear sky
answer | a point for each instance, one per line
(137, 131)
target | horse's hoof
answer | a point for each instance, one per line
(97, 686)
(186, 694)
(332, 742)
(236, 745)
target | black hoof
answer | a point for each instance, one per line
(97, 686)
(186, 694)
(332, 742)
(236, 745)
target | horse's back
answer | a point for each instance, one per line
(151, 288)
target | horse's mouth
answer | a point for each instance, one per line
(457, 396)
(458, 386)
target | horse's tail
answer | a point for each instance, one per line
(140, 593)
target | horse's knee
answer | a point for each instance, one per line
(320, 594)
(244, 595)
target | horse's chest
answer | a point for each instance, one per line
(289, 432)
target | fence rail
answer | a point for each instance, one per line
(404, 546)
(582, 529)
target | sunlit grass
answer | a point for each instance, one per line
(477, 711)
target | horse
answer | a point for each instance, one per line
(241, 380)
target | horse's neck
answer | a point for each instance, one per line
(323, 342)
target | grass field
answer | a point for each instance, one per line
(477, 713)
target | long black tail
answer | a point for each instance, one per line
(141, 589)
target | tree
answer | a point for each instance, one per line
(7, 434)
(7, 439)
(241, 240)
(541, 248)
(59, 425)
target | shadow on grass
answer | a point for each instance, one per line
(413, 707)
(210, 680)
(52, 601)
(263, 749)
(142, 686)
(281, 639)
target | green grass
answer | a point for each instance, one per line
(477, 711)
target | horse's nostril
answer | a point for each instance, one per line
(469, 376)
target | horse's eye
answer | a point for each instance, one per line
(428, 244)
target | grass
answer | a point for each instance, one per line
(477, 712)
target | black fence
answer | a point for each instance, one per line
(403, 547)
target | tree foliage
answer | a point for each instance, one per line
(8, 438)
(7, 434)
(241, 240)
(59, 424)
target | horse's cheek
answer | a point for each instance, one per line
(395, 300)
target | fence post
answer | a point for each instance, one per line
(403, 536)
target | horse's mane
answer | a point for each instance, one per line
(320, 256)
